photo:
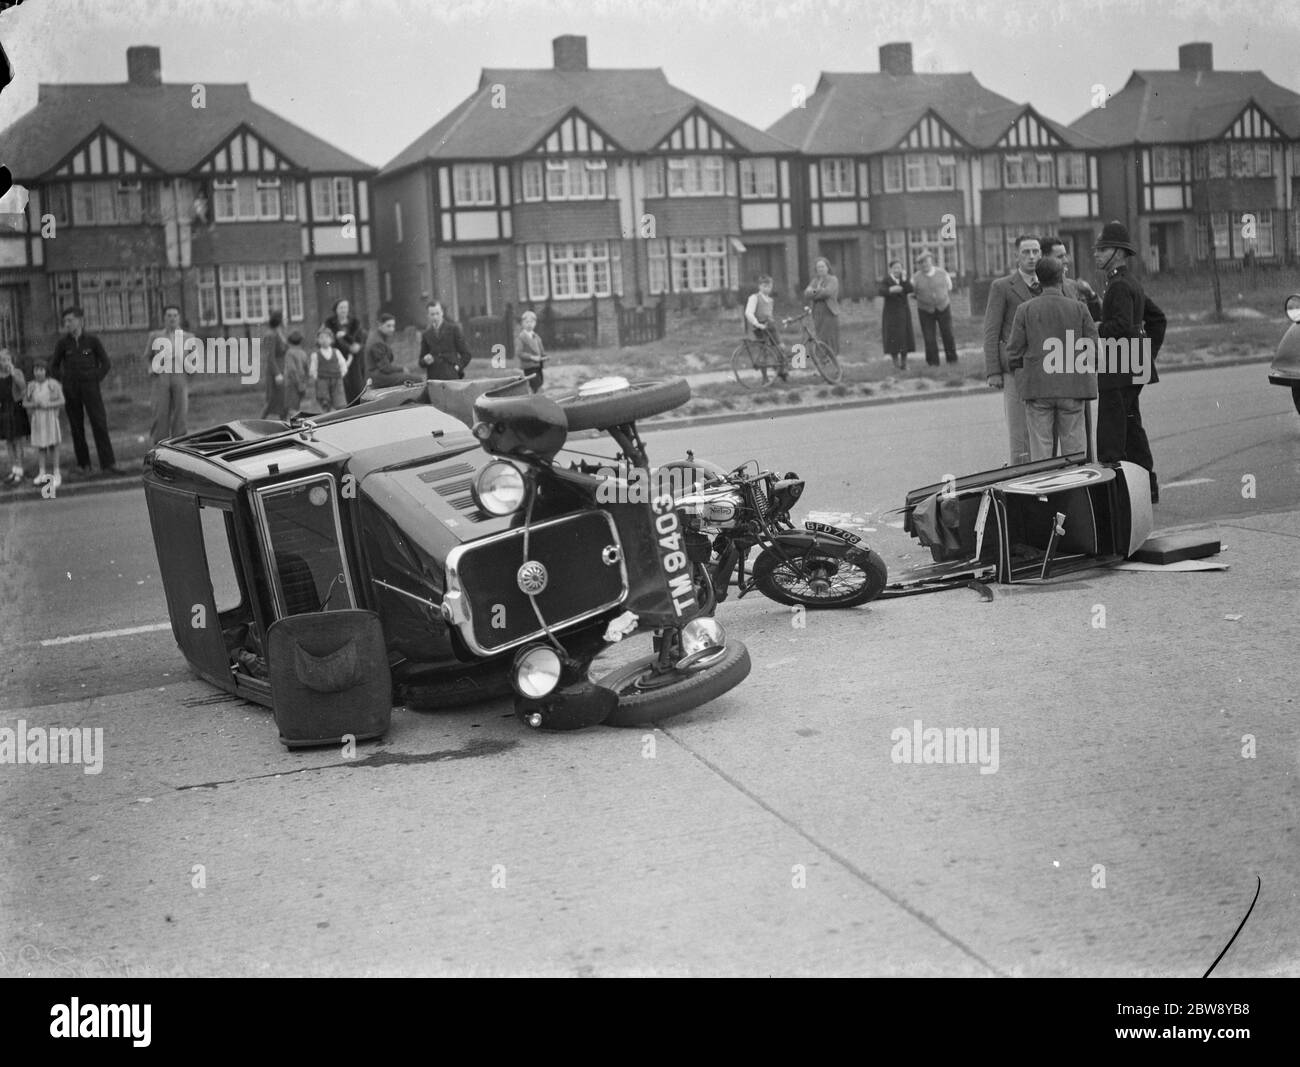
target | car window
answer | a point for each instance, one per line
(300, 523)
(226, 593)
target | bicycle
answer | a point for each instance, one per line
(754, 358)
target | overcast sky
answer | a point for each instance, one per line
(371, 75)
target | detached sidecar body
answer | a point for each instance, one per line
(1027, 522)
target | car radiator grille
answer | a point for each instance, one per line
(582, 579)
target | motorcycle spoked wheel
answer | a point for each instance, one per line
(829, 574)
(644, 697)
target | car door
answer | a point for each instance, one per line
(187, 583)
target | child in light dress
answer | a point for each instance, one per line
(43, 401)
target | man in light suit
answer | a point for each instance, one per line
(1005, 296)
(1042, 356)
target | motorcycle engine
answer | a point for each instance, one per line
(711, 509)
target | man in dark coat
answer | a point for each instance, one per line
(896, 333)
(80, 364)
(1005, 295)
(443, 351)
(1127, 315)
(382, 368)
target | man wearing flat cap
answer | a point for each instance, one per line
(1128, 314)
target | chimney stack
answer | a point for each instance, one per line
(144, 65)
(570, 52)
(896, 58)
(1198, 55)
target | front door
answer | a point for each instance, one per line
(11, 320)
(765, 259)
(334, 285)
(841, 255)
(477, 287)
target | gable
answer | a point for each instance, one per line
(575, 133)
(243, 151)
(1029, 131)
(931, 132)
(1252, 125)
(695, 133)
(103, 153)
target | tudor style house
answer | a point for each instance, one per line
(571, 191)
(144, 193)
(898, 163)
(1189, 152)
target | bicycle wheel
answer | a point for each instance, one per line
(826, 363)
(754, 364)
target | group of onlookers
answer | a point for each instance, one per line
(322, 377)
(69, 381)
(1037, 310)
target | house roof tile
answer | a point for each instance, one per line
(158, 122)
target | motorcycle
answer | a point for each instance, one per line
(727, 514)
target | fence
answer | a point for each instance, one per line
(640, 325)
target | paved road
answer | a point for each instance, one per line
(774, 830)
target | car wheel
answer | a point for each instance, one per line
(641, 701)
(639, 400)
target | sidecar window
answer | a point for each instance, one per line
(303, 537)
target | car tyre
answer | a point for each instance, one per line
(639, 400)
(640, 708)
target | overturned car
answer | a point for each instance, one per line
(441, 509)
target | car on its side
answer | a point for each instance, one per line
(442, 508)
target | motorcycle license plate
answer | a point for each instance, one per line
(832, 531)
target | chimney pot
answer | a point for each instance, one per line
(570, 52)
(1198, 55)
(896, 58)
(144, 65)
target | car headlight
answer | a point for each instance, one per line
(703, 640)
(536, 671)
(500, 488)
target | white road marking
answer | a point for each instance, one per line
(1189, 481)
(126, 632)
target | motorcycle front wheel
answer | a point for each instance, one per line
(820, 574)
(644, 697)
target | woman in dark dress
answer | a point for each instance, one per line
(274, 345)
(896, 334)
(349, 339)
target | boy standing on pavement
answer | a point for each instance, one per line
(80, 364)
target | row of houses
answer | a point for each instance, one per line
(583, 191)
